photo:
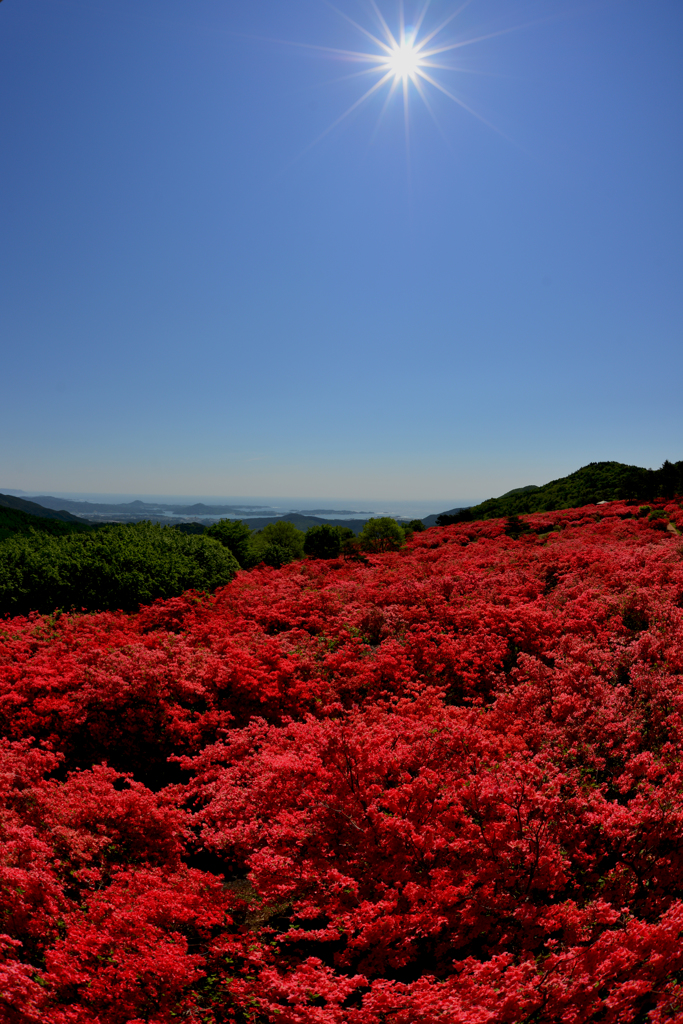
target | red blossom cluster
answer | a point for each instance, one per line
(441, 785)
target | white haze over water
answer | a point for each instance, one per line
(251, 507)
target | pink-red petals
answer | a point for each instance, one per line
(441, 786)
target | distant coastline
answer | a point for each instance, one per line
(257, 511)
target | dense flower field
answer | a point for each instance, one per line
(441, 785)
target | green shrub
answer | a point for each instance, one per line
(115, 567)
(277, 544)
(381, 534)
(515, 527)
(352, 551)
(325, 541)
(236, 537)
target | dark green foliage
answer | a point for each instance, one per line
(277, 544)
(14, 521)
(9, 501)
(449, 518)
(109, 568)
(599, 481)
(236, 537)
(381, 534)
(515, 527)
(634, 616)
(552, 578)
(520, 490)
(276, 555)
(352, 551)
(195, 529)
(326, 541)
(669, 479)
(414, 526)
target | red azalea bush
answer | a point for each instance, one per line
(444, 784)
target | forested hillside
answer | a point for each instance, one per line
(599, 481)
(9, 501)
(13, 521)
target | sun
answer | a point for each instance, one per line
(408, 59)
(404, 61)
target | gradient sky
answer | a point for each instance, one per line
(195, 300)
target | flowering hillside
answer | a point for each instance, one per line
(441, 785)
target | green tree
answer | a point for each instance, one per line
(114, 567)
(414, 526)
(381, 534)
(325, 541)
(236, 536)
(278, 543)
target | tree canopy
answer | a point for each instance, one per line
(113, 567)
(598, 481)
(325, 541)
(236, 536)
(277, 544)
(381, 534)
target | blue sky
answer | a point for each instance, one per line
(196, 300)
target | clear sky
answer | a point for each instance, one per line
(195, 299)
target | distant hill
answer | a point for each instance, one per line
(14, 521)
(520, 490)
(34, 509)
(92, 507)
(598, 481)
(305, 522)
(139, 511)
(432, 520)
(300, 521)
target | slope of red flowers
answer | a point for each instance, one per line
(442, 786)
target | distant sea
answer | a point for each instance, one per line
(253, 507)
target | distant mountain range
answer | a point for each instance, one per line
(142, 507)
(132, 511)
(598, 481)
(20, 516)
(46, 506)
(39, 508)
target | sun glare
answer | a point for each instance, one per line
(404, 61)
(408, 60)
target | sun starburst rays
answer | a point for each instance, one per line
(406, 60)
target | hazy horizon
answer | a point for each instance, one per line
(279, 504)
